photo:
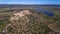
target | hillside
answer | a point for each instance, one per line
(28, 22)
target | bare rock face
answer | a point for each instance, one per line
(19, 15)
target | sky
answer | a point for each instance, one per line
(30, 2)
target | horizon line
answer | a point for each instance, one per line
(32, 4)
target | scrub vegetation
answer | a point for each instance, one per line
(28, 21)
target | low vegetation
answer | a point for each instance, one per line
(28, 22)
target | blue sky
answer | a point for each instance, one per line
(29, 1)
